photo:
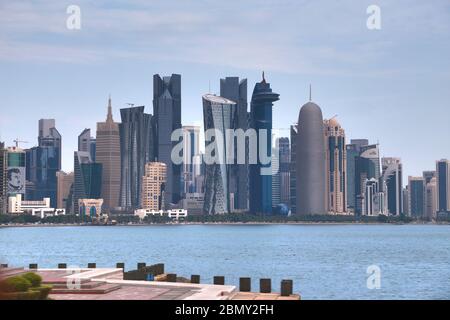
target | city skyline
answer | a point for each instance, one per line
(367, 82)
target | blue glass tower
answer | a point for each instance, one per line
(44, 161)
(260, 119)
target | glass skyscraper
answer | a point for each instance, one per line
(167, 118)
(233, 89)
(367, 166)
(261, 119)
(416, 190)
(220, 114)
(443, 185)
(87, 180)
(43, 162)
(392, 184)
(137, 148)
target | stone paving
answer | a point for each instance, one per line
(108, 284)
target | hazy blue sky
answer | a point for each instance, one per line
(390, 85)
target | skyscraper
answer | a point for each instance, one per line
(353, 151)
(153, 186)
(261, 120)
(276, 188)
(108, 154)
(281, 179)
(86, 143)
(43, 162)
(336, 166)
(3, 178)
(219, 114)
(233, 89)
(191, 148)
(293, 170)
(392, 184)
(367, 166)
(310, 161)
(416, 190)
(137, 148)
(443, 185)
(431, 199)
(16, 171)
(87, 178)
(64, 183)
(167, 118)
(374, 200)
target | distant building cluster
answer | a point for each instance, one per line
(128, 167)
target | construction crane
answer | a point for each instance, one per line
(17, 141)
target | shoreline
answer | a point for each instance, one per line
(303, 223)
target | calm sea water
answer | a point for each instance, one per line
(325, 261)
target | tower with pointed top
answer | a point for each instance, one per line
(261, 119)
(167, 118)
(108, 154)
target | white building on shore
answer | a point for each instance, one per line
(40, 208)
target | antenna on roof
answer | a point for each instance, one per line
(310, 99)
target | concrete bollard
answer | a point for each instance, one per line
(195, 278)
(265, 285)
(286, 288)
(245, 284)
(33, 266)
(141, 265)
(92, 265)
(219, 280)
(120, 265)
(171, 277)
(62, 266)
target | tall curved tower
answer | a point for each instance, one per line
(310, 161)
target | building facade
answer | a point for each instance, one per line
(220, 115)
(43, 162)
(107, 153)
(137, 148)
(443, 185)
(336, 166)
(293, 171)
(90, 207)
(374, 201)
(233, 89)
(153, 186)
(167, 119)
(87, 143)
(3, 178)
(191, 152)
(87, 178)
(64, 184)
(392, 184)
(353, 150)
(261, 121)
(367, 166)
(16, 172)
(416, 197)
(310, 162)
(431, 199)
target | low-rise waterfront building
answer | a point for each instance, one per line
(34, 207)
(90, 207)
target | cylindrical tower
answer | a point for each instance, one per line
(310, 161)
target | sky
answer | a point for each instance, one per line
(390, 85)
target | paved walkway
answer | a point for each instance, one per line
(108, 284)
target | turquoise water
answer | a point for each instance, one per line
(325, 261)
